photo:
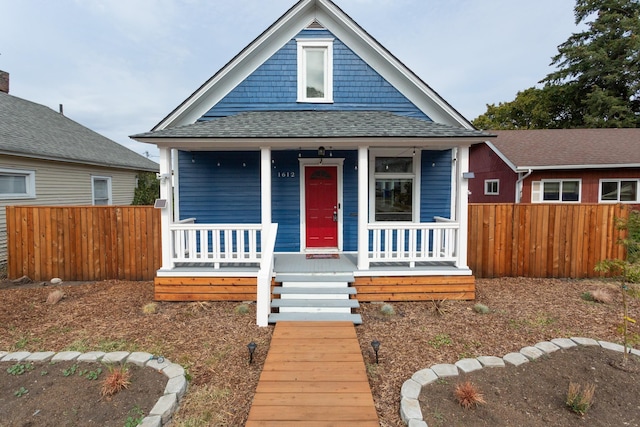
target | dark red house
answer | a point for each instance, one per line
(557, 166)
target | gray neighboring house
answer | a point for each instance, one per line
(48, 159)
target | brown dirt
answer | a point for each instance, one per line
(209, 340)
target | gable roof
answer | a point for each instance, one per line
(287, 125)
(300, 16)
(33, 130)
(568, 148)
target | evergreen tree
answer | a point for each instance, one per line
(148, 189)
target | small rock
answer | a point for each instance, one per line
(55, 296)
(56, 281)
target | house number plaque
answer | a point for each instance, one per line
(286, 174)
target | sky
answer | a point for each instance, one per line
(120, 66)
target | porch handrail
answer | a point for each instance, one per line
(263, 293)
(413, 242)
(215, 243)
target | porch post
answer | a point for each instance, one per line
(363, 208)
(265, 185)
(166, 192)
(462, 211)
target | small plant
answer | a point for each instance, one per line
(19, 368)
(71, 370)
(43, 373)
(93, 375)
(601, 296)
(481, 308)
(587, 296)
(20, 392)
(387, 310)
(135, 417)
(150, 308)
(468, 395)
(118, 379)
(440, 340)
(241, 309)
(439, 307)
(580, 399)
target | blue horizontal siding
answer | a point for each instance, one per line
(273, 86)
(435, 185)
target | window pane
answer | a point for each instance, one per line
(315, 72)
(394, 164)
(551, 191)
(13, 184)
(100, 192)
(394, 199)
(629, 191)
(609, 191)
(570, 191)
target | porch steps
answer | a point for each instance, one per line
(314, 297)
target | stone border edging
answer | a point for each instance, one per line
(410, 411)
(167, 404)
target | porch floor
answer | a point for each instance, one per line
(314, 375)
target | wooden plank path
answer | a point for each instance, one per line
(314, 376)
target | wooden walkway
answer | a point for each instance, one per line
(314, 376)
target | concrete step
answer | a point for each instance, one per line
(292, 284)
(314, 277)
(315, 317)
(280, 290)
(320, 303)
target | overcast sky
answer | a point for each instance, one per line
(120, 66)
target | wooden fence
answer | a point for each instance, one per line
(83, 242)
(543, 240)
(123, 242)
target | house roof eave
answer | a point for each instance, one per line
(576, 167)
(77, 162)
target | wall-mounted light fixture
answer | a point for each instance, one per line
(321, 151)
(468, 175)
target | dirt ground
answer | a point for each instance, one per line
(210, 341)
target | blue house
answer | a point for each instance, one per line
(312, 170)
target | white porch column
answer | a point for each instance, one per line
(166, 193)
(265, 185)
(462, 210)
(363, 208)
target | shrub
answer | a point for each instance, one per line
(601, 296)
(468, 395)
(150, 308)
(241, 309)
(481, 308)
(118, 379)
(580, 399)
(387, 310)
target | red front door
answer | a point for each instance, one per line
(321, 205)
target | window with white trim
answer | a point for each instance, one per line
(101, 190)
(315, 70)
(561, 190)
(17, 184)
(395, 188)
(619, 190)
(491, 187)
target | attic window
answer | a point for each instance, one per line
(315, 70)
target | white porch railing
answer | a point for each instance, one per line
(263, 294)
(410, 243)
(215, 243)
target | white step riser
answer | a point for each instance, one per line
(313, 296)
(314, 310)
(315, 284)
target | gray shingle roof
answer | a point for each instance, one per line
(314, 124)
(33, 130)
(550, 148)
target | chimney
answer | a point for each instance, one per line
(4, 81)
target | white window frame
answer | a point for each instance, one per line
(415, 175)
(487, 191)
(619, 182)
(94, 178)
(327, 45)
(537, 190)
(30, 184)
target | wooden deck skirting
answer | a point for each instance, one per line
(314, 375)
(416, 288)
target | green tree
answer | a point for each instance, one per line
(597, 81)
(148, 189)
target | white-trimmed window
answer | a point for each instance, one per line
(101, 190)
(17, 184)
(491, 187)
(619, 190)
(394, 187)
(315, 70)
(556, 190)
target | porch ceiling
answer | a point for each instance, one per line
(292, 129)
